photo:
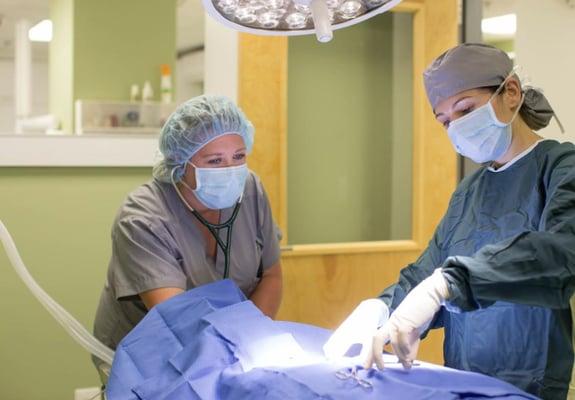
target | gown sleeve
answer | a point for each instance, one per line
(533, 267)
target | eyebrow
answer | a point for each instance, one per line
(454, 104)
(220, 154)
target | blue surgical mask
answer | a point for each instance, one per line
(479, 135)
(218, 188)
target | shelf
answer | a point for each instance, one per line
(128, 150)
(98, 142)
(121, 130)
(117, 117)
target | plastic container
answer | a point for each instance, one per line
(166, 84)
(147, 92)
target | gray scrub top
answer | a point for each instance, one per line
(156, 243)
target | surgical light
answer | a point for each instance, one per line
(503, 25)
(41, 32)
(295, 17)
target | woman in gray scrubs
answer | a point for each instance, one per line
(165, 238)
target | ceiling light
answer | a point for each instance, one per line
(294, 17)
(41, 32)
(503, 25)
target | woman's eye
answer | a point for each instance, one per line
(240, 156)
(466, 110)
(215, 161)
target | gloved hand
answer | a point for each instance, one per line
(358, 327)
(410, 318)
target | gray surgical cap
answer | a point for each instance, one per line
(471, 66)
(194, 124)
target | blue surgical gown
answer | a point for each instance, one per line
(507, 248)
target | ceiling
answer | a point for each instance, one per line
(189, 23)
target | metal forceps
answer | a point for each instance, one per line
(351, 374)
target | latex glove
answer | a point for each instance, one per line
(358, 327)
(410, 318)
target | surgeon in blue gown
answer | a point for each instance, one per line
(498, 273)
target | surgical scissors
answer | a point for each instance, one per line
(351, 373)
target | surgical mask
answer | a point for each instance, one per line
(218, 188)
(479, 135)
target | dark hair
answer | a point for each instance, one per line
(523, 112)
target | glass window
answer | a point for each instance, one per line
(32, 114)
(350, 133)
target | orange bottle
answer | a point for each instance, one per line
(166, 84)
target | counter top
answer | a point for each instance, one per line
(77, 150)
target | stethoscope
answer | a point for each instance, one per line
(215, 228)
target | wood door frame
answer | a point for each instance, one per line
(324, 282)
(263, 95)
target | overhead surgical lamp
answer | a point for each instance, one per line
(295, 17)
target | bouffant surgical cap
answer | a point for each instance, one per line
(194, 124)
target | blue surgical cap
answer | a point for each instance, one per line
(475, 65)
(464, 67)
(194, 124)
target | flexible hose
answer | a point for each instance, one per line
(68, 322)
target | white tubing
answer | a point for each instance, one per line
(320, 16)
(69, 323)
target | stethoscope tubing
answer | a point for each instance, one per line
(215, 228)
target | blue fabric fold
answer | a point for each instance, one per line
(210, 343)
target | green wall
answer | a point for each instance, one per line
(402, 128)
(118, 43)
(505, 45)
(101, 48)
(341, 98)
(60, 219)
(61, 62)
